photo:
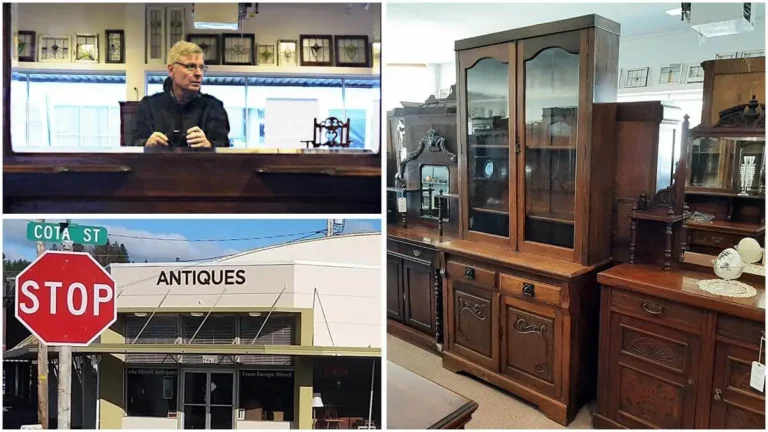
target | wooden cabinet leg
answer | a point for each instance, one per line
(633, 241)
(438, 309)
(668, 249)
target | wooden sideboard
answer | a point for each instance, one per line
(730, 82)
(523, 322)
(673, 356)
(414, 286)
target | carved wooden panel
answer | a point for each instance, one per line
(644, 396)
(394, 288)
(473, 316)
(735, 405)
(653, 348)
(419, 296)
(530, 343)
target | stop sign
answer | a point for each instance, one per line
(65, 298)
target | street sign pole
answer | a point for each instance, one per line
(65, 374)
(42, 366)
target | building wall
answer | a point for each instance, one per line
(350, 249)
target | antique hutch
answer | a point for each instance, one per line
(536, 129)
(671, 354)
(422, 147)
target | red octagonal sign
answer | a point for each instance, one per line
(65, 298)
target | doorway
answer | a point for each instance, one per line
(209, 398)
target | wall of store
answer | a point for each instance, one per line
(654, 52)
(274, 21)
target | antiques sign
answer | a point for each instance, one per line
(201, 277)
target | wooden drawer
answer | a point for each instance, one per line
(659, 310)
(392, 246)
(740, 329)
(714, 239)
(471, 274)
(411, 251)
(528, 289)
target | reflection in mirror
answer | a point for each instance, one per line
(434, 182)
(732, 164)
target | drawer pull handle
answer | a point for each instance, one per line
(653, 308)
(717, 239)
(528, 290)
(416, 252)
(469, 273)
(718, 394)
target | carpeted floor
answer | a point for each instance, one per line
(497, 409)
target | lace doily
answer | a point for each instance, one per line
(727, 288)
(755, 269)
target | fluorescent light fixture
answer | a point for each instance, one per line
(196, 314)
(254, 314)
(216, 16)
(140, 314)
(215, 26)
(674, 12)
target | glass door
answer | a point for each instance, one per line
(209, 399)
(549, 104)
(486, 130)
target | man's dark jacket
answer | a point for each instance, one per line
(162, 113)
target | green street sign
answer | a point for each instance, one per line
(58, 233)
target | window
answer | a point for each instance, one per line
(266, 395)
(246, 99)
(150, 392)
(50, 112)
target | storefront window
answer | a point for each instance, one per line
(345, 388)
(266, 395)
(150, 392)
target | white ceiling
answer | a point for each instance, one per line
(425, 32)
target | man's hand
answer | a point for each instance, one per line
(157, 139)
(196, 138)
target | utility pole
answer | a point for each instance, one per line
(329, 228)
(65, 372)
(42, 366)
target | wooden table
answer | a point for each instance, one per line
(414, 402)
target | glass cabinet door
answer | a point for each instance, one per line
(487, 134)
(550, 112)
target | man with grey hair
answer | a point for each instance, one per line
(181, 115)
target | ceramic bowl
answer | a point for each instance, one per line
(728, 264)
(749, 250)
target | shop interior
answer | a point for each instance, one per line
(576, 215)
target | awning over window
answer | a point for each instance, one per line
(69, 78)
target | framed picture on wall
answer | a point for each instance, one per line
(210, 44)
(316, 50)
(155, 31)
(671, 74)
(753, 53)
(174, 29)
(239, 49)
(25, 46)
(87, 48)
(636, 77)
(695, 74)
(286, 53)
(267, 55)
(723, 56)
(352, 51)
(54, 49)
(115, 46)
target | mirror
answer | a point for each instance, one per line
(434, 181)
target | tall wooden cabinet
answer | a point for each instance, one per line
(536, 131)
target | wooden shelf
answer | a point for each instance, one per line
(490, 210)
(740, 228)
(489, 146)
(491, 179)
(563, 218)
(724, 194)
(550, 148)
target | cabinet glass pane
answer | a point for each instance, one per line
(488, 146)
(434, 182)
(551, 114)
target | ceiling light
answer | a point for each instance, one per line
(674, 12)
(254, 314)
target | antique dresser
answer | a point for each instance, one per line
(536, 133)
